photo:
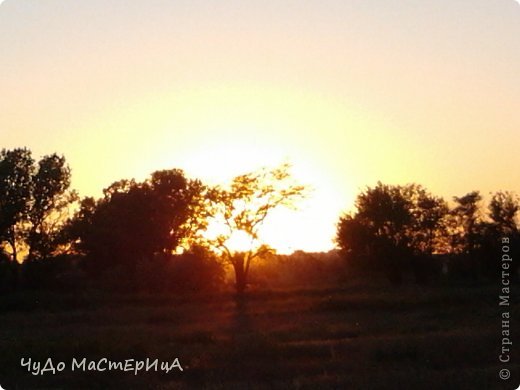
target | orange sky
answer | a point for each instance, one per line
(350, 92)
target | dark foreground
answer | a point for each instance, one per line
(344, 338)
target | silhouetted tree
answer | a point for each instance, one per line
(387, 213)
(428, 230)
(50, 205)
(502, 223)
(394, 228)
(32, 199)
(244, 207)
(16, 171)
(135, 222)
(353, 237)
(466, 223)
(503, 210)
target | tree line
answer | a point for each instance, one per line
(400, 231)
(138, 234)
(151, 234)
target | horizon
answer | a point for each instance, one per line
(349, 93)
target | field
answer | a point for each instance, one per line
(308, 338)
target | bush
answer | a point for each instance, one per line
(8, 275)
(193, 271)
(60, 273)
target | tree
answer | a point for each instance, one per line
(352, 236)
(428, 231)
(49, 206)
(16, 171)
(382, 221)
(243, 208)
(33, 201)
(392, 226)
(466, 223)
(501, 224)
(503, 210)
(138, 222)
(386, 210)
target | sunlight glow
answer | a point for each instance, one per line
(240, 242)
(342, 92)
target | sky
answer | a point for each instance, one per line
(349, 92)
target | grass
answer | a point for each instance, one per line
(309, 338)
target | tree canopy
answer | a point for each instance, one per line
(136, 222)
(400, 228)
(392, 224)
(32, 199)
(243, 208)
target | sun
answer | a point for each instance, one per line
(236, 241)
(235, 150)
(239, 241)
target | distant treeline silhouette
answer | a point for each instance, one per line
(406, 232)
(148, 236)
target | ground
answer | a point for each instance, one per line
(443, 337)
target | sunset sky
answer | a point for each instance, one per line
(349, 92)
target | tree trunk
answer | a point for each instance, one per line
(12, 242)
(31, 242)
(240, 275)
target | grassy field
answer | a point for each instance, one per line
(309, 338)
